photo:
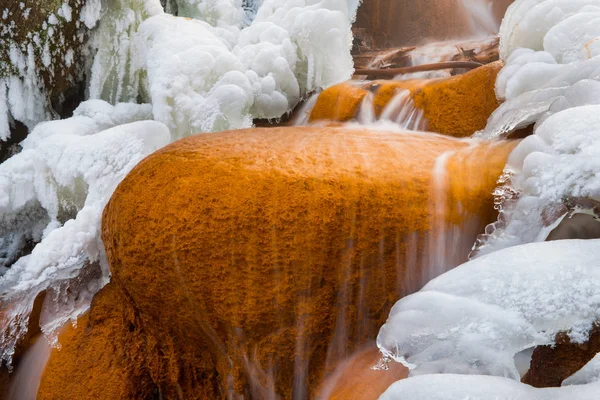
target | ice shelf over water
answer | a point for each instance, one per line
(465, 387)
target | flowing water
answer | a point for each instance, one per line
(453, 209)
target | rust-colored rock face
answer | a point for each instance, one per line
(253, 262)
(551, 365)
(104, 357)
(458, 106)
(410, 22)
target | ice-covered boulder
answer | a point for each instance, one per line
(477, 317)
(244, 251)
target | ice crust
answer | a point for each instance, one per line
(224, 71)
(475, 318)
(54, 192)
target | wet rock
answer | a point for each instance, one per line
(407, 22)
(41, 58)
(458, 106)
(358, 378)
(254, 262)
(105, 356)
(24, 344)
(551, 365)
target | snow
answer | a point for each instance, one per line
(463, 387)
(527, 22)
(209, 76)
(590, 373)
(55, 191)
(477, 317)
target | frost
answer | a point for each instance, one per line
(66, 12)
(477, 317)
(203, 77)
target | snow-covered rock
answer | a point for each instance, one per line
(477, 317)
(551, 79)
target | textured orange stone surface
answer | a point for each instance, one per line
(461, 105)
(458, 106)
(254, 262)
(102, 358)
(338, 103)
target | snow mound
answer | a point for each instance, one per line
(53, 192)
(528, 22)
(462, 387)
(216, 74)
(477, 317)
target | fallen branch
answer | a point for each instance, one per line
(391, 72)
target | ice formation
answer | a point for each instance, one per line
(231, 62)
(554, 83)
(477, 317)
(54, 192)
(465, 387)
(33, 63)
(222, 72)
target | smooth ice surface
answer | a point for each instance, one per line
(462, 387)
(475, 318)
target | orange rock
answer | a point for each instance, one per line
(103, 357)
(255, 262)
(461, 105)
(551, 365)
(458, 106)
(338, 103)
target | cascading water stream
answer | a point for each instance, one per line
(449, 228)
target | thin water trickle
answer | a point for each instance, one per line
(25, 384)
